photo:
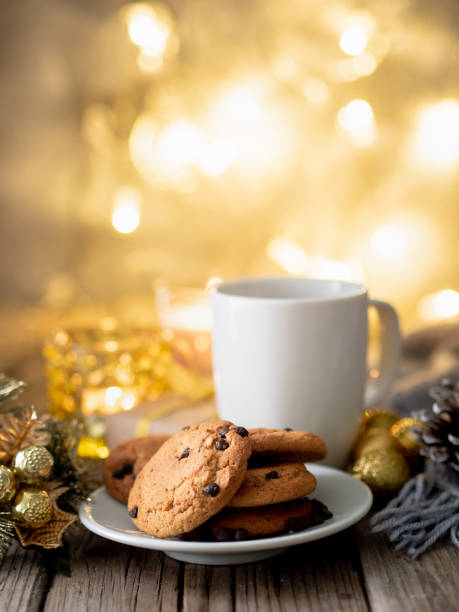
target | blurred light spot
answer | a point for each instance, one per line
(217, 157)
(112, 396)
(315, 91)
(288, 254)
(356, 119)
(111, 346)
(179, 144)
(374, 373)
(126, 210)
(441, 305)
(128, 401)
(354, 40)
(108, 324)
(238, 104)
(146, 29)
(437, 140)
(389, 242)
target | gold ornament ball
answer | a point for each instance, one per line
(385, 471)
(33, 464)
(402, 431)
(32, 508)
(7, 484)
(378, 419)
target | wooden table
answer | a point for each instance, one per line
(352, 570)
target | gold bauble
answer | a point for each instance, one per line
(378, 419)
(33, 464)
(7, 484)
(402, 431)
(385, 471)
(373, 439)
(32, 508)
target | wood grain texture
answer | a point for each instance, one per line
(317, 576)
(395, 582)
(207, 588)
(112, 577)
(23, 580)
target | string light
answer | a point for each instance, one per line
(357, 121)
(147, 30)
(441, 305)
(389, 242)
(354, 40)
(436, 144)
(126, 210)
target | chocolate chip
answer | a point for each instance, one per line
(185, 453)
(224, 534)
(288, 429)
(186, 427)
(133, 512)
(321, 509)
(223, 431)
(127, 468)
(118, 474)
(241, 534)
(221, 444)
(212, 489)
(272, 474)
(242, 431)
(298, 523)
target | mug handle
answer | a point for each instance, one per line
(391, 350)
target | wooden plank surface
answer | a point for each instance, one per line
(395, 582)
(23, 580)
(112, 577)
(318, 576)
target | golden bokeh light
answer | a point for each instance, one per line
(389, 242)
(147, 29)
(441, 305)
(354, 39)
(126, 210)
(436, 143)
(357, 121)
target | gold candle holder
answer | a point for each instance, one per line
(103, 370)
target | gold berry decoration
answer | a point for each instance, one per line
(32, 508)
(33, 464)
(7, 484)
(385, 471)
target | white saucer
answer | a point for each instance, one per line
(348, 499)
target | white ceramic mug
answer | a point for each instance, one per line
(291, 352)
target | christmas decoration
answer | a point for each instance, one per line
(440, 435)
(32, 508)
(33, 464)
(427, 506)
(7, 484)
(384, 470)
(380, 456)
(42, 479)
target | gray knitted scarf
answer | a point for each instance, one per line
(426, 508)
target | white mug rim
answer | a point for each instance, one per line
(353, 290)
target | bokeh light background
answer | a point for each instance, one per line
(185, 140)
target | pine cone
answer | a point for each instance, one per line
(440, 434)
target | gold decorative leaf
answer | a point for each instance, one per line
(20, 429)
(50, 534)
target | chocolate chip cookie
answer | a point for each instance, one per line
(125, 462)
(251, 523)
(285, 445)
(191, 478)
(273, 485)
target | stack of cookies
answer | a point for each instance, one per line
(217, 481)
